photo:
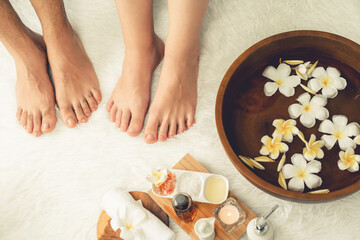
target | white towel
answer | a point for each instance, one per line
(125, 211)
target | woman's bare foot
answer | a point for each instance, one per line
(77, 88)
(130, 98)
(34, 92)
(173, 107)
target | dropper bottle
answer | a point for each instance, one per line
(260, 228)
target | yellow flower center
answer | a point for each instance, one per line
(349, 159)
(279, 82)
(129, 226)
(301, 174)
(338, 135)
(307, 108)
(325, 82)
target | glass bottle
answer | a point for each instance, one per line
(184, 207)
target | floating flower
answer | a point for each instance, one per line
(285, 129)
(273, 146)
(301, 70)
(348, 160)
(158, 177)
(313, 149)
(282, 80)
(309, 110)
(339, 131)
(300, 171)
(357, 140)
(329, 81)
(129, 220)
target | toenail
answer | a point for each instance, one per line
(123, 128)
(71, 121)
(161, 137)
(150, 137)
(46, 126)
(83, 120)
(131, 130)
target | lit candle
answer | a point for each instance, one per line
(229, 214)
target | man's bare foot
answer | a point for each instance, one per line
(130, 98)
(173, 107)
(77, 88)
(34, 92)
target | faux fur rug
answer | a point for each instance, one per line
(51, 187)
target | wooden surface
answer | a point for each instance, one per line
(244, 114)
(204, 210)
(104, 229)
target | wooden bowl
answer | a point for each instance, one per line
(244, 114)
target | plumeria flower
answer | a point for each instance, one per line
(348, 160)
(300, 171)
(286, 129)
(281, 80)
(313, 149)
(329, 81)
(302, 69)
(339, 131)
(357, 140)
(158, 177)
(129, 220)
(309, 109)
(273, 146)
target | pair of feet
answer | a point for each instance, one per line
(76, 86)
(172, 110)
(77, 90)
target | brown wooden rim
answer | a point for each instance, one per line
(244, 170)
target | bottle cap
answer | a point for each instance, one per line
(181, 201)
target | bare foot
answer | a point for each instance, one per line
(130, 98)
(34, 92)
(173, 107)
(77, 88)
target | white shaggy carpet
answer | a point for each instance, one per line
(51, 187)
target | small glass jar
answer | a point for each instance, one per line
(184, 207)
(229, 214)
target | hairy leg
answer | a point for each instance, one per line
(143, 52)
(76, 85)
(173, 107)
(34, 92)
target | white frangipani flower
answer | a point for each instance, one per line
(273, 146)
(129, 220)
(302, 172)
(357, 140)
(286, 129)
(349, 160)
(309, 109)
(313, 149)
(339, 131)
(281, 80)
(329, 81)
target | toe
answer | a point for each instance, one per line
(163, 132)
(190, 121)
(48, 120)
(18, 114)
(79, 113)
(125, 118)
(92, 102)
(109, 104)
(118, 118)
(172, 129)
(97, 96)
(85, 107)
(136, 124)
(151, 129)
(181, 125)
(23, 119)
(68, 116)
(29, 123)
(112, 114)
(37, 125)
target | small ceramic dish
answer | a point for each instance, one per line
(194, 184)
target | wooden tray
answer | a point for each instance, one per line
(104, 229)
(244, 114)
(204, 210)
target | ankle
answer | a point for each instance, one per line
(180, 52)
(59, 33)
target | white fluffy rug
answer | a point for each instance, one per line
(51, 187)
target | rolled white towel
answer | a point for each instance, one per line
(134, 221)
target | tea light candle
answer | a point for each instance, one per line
(229, 214)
